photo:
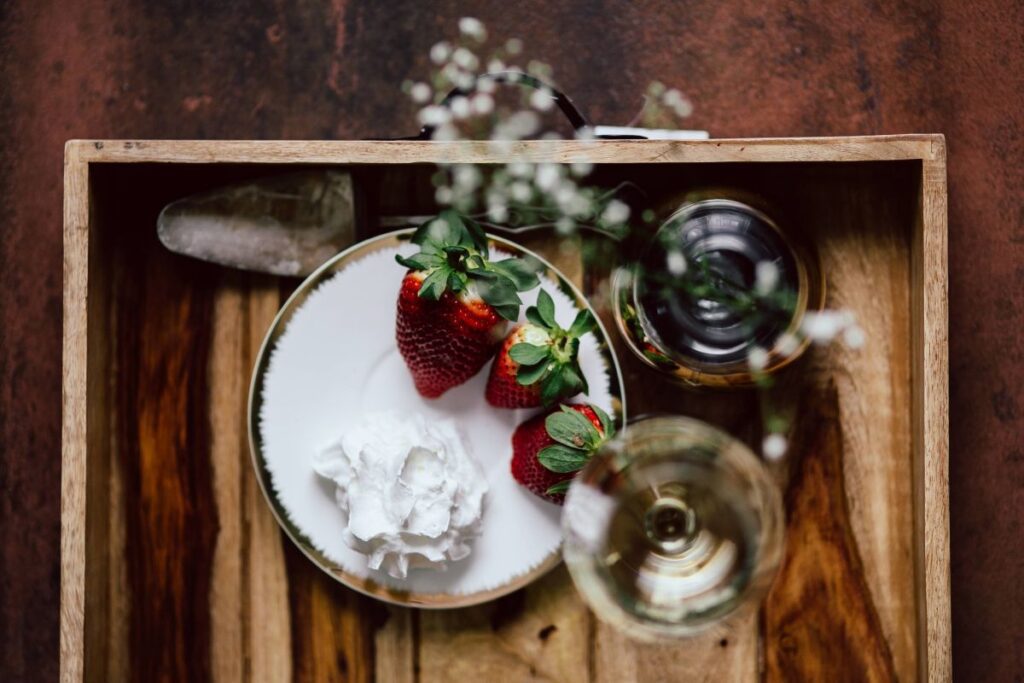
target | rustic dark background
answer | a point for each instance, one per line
(330, 69)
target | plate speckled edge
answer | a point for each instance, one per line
(367, 585)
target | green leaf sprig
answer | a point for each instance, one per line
(555, 363)
(576, 440)
(453, 254)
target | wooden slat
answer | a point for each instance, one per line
(250, 629)
(865, 148)
(74, 427)
(864, 244)
(931, 422)
(820, 620)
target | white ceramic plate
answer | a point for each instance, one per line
(331, 356)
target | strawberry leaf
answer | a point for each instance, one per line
(420, 261)
(528, 354)
(433, 286)
(606, 422)
(560, 487)
(533, 315)
(583, 323)
(558, 458)
(572, 429)
(531, 374)
(499, 292)
(476, 234)
(546, 308)
(521, 271)
(456, 282)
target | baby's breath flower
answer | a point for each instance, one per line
(486, 86)
(465, 59)
(440, 52)
(467, 177)
(774, 446)
(565, 225)
(520, 169)
(460, 107)
(548, 176)
(787, 344)
(446, 132)
(826, 325)
(474, 28)
(434, 115)
(420, 92)
(514, 46)
(483, 103)
(854, 336)
(495, 65)
(766, 277)
(616, 212)
(444, 195)
(581, 169)
(676, 263)
(542, 99)
(520, 192)
(757, 358)
(498, 213)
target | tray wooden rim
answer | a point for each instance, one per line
(928, 308)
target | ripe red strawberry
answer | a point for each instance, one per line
(549, 448)
(539, 362)
(454, 303)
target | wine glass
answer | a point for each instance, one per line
(671, 528)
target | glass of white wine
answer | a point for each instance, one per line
(673, 527)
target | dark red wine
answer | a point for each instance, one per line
(730, 239)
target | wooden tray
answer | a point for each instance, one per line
(173, 568)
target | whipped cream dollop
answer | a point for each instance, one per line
(413, 494)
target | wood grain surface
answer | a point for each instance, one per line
(99, 68)
(820, 621)
(193, 579)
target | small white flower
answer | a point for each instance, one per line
(672, 96)
(514, 46)
(523, 124)
(581, 168)
(520, 169)
(467, 177)
(683, 108)
(460, 107)
(446, 132)
(757, 358)
(444, 195)
(495, 65)
(565, 226)
(676, 263)
(616, 212)
(542, 99)
(766, 277)
(548, 176)
(498, 213)
(420, 92)
(486, 86)
(774, 446)
(474, 28)
(822, 327)
(787, 344)
(434, 115)
(440, 52)
(465, 59)
(482, 104)
(580, 206)
(521, 192)
(854, 336)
